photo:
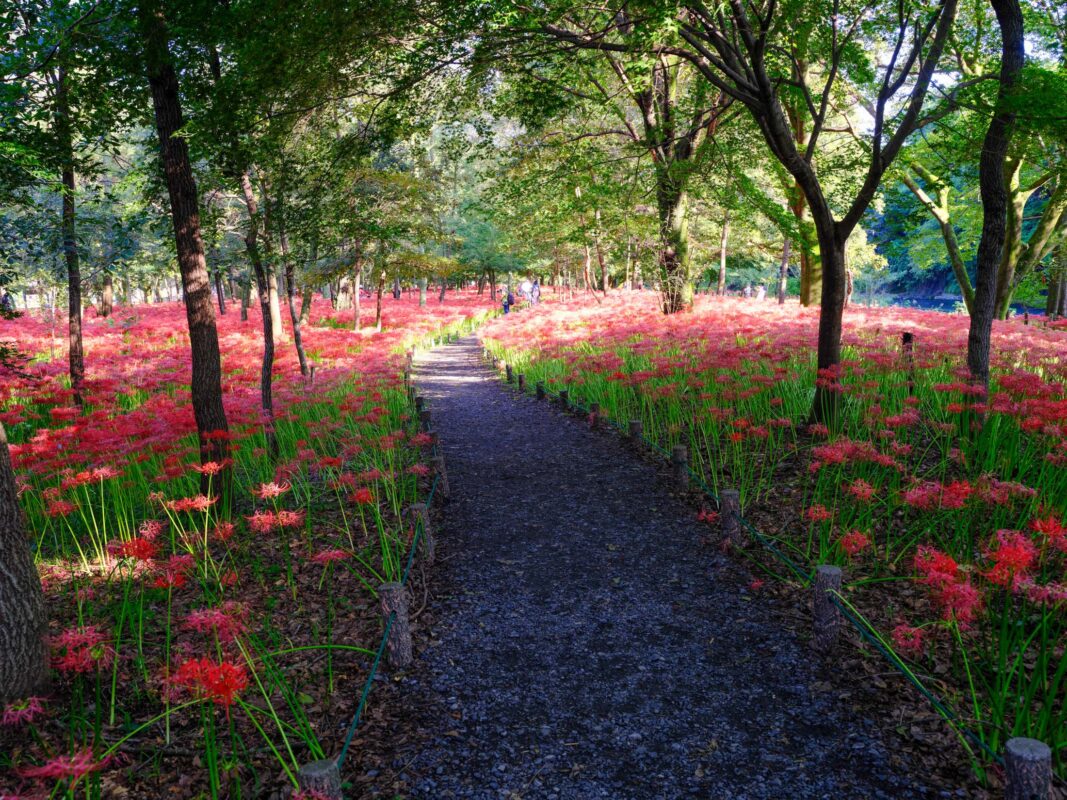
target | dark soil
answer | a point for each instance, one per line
(584, 644)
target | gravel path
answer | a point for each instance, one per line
(587, 647)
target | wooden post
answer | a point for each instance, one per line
(730, 516)
(540, 390)
(680, 466)
(1026, 318)
(564, 399)
(438, 462)
(522, 382)
(394, 599)
(420, 402)
(422, 515)
(509, 374)
(594, 415)
(424, 419)
(323, 777)
(636, 430)
(827, 616)
(907, 345)
(1027, 770)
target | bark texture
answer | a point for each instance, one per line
(23, 624)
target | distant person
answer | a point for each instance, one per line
(525, 288)
(7, 302)
(747, 291)
(535, 293)
(761, 292)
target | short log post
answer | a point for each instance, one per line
(420, 402)
(522, 382)
(730, 516)
(540, 390)
(564, 399)
(424, 419)
(421, 515)
(1026, 318)
(394, 599)
(1027, 770)
(407, 377)
(438, 462)
(907, 346)
(594, 415)
(826, 614)
(509, 373)
(636, 430)
(322, 777)
(680, 466)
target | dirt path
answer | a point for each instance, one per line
(586, 647)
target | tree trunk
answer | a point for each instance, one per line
(76, 356)
(107, 294)
(492, 285)
(23, 622)
(219, 294)
(994, 192)
(246, 298)
(396, 287)
(305, 304)
(357, 292)
(444, 288)
(290, 292)
(378, 309)
(206, 383)
(1012, 249)
(587, 267)
(783, 272)
(266, 372)
(422, 292)
(722, 253)
(673, 205)
(831, 309)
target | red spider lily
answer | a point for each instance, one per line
(262, 521)
(362, 496)
(224, 531)
(198, 503)
(817, 513)
(418, 469)
(908, 640)
(937, 568)
(854, 542)
(289, 519)
(22, 711)
(269, 491)
(138, 548)
(151, 529)
(1014, 555)
(82, 650)
(1054, 531)
(226, 622)
(861, 490)
(708, 516)
(211, 467)
(72, 767)
(60, 508)
(218, 682)
(326, 557)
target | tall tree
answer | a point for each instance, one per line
(994, 190)
(206, 384)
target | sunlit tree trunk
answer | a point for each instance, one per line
(722, 253)
(378, 308)
(107, 294)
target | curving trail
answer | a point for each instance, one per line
(588, 648)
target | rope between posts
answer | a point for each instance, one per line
(805, 578)
(388, 627)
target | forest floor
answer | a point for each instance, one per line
(585, 641)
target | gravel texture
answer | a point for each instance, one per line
(587, 647)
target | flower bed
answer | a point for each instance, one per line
(949, 517)
(203, 643)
